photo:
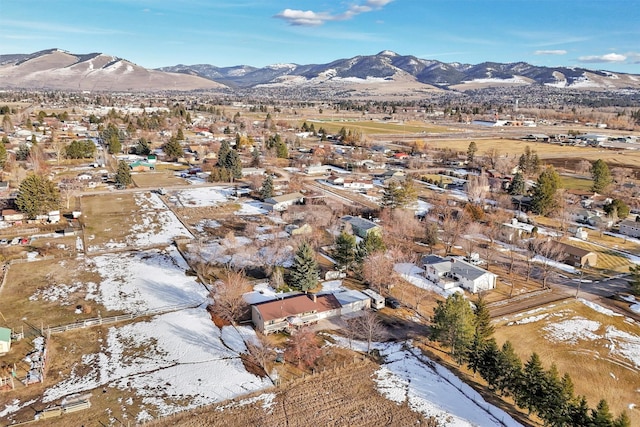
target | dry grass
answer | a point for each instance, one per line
(344, 397)
(157, 179)
(42, 278)
(106, 217)
(369, 127)
(596, 373)
(607, 259)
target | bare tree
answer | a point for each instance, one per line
(583, 167)
(469, 243)
(227, 295)
(261, 352)
(69, 189)
(366, 327)
(477, 188)
(453, 225)
(58, 146)
(377, 271)
(548, 252)
(303, 348)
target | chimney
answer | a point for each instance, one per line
(313, 297)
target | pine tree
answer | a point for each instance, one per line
(518, 186)
(234, 165)
(267, 188)
(488, 361)
(37, 195)
(345, 250)
(623, 420)
(579, 413)
(180, 135)
(483, 330)
(543, 199)
(635, 279)
(601, 176)
(452, 325)
(408, 193)
(123, 174)
(471, 152)
(601, 416)
(371, 243)
(115, 146)
(143, 148)
(173, 149)
(3, 155)
(223, 153)
(391, 195)
(282, 152)
(510, 368)
(305, 272)
(532, 391)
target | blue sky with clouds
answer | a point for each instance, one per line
(597, 34)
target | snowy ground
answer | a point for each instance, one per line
(568, 327)
(174, 362)
(415, 275)
(428, 388)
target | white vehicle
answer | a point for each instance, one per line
(377, 300)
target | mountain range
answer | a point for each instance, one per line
(385, 71)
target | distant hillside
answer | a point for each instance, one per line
(388, 67)
(384, 74)
(61, 70)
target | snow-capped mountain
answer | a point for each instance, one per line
(59, 69)
(62, 70)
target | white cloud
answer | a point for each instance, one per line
(609, 57)
(311, 18)
(550, 52)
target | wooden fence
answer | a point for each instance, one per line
(114, 319)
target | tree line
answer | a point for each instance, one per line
(467, 333)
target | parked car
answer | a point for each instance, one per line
(15, 241)
(392, 302)
(4, 242)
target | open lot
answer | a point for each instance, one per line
(599, 349)
(370, 127)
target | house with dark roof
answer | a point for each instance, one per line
(576, 256)
(450, 272)
(295, 311)
(361, 227)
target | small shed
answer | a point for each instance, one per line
(5, 340)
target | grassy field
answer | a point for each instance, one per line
(105, 215)
(164, 178)
(47, 293)
(607, 259)
(573, 183)
(378, 128)
(596, 369)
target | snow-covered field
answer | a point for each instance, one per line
(173, 362)
(429, 388)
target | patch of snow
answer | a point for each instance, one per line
(572, 330)
(624, 344)
(204, 196)
(415, 275)
(635, 308)
(252, 208)
(231, 338)
(531, 319)
(598, 308)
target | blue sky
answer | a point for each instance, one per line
(596, 34)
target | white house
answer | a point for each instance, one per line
(5, 340)
(281, 203)
(630, 228)
(450, 272)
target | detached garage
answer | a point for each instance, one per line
(352, 301)
(5, 340)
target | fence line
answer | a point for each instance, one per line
(95, 321)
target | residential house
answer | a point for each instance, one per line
(576, 256)
(352, 301)
(253, 171)
(357, 183)
(5, 340)
(11, 215)
(140, 166)
(281, 203)
(361, 227)
(450, 272)
(317, 170)
(295, 311)
(630, 228)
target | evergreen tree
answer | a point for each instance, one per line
(115, 146)
(483, 330)
(23, 152)
(371, 243)
(518, 186)
(635, 279)
(601, 176)
(623, 420)
(234, 165)
(452, 325)
(543, 199)
(180, 135)
(531, 394)
(579, 413)
(80, 150)
(3, 155)
(282, 152)
(123, 174)
(345, 250)
(510, 369)
(471, 152)
(37, 195)
(392, 195)
(267, 188)
(487, 362)
(601, 416)
(529, 162)
(558, 394)
(255, 158)
(408, 193)
(223, 153)
(143, 147)
(173, 149)
(617, 208)
(305, 272)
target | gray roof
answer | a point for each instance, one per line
(349, 296)
(359, 222)
(455, 266)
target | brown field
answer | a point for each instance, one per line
(39, 280)
(157, 179)
(344, 397)
(596, 373)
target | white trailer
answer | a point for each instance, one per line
(377, 300)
